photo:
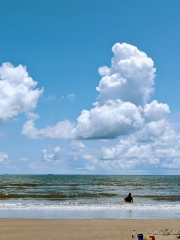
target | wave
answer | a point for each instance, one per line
(73, 184)
(55, 196)
(83, 206)
(171, 198)
(19, 185)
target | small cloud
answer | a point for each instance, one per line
(50, 98)
(87, 156)
(71, 97)
(3, 156)
(61, 98)
(77, 144)
(57, 149)
(51, 154)
(47, 156)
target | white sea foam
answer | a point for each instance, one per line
(81, 206)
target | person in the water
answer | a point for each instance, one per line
(129, 198)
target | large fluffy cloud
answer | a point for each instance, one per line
(110, 120)
(17, 91)
(122, 101)
(130, 77)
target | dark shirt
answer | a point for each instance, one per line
(128, 199)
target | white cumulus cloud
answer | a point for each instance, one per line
(130, 77)
(17, 91)
(110, 120)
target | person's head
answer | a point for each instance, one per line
(129, 194)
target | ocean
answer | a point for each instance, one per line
(89, 196)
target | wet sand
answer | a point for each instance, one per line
(42, 229)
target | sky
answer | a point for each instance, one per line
(90, 87)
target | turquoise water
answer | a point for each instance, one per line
(86, 196)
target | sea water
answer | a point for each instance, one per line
(88, 197)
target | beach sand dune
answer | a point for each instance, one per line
(45, 229)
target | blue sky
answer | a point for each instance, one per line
(89, 87)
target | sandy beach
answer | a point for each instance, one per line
(37, 229)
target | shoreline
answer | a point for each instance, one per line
(86, 213)
(52, 229)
